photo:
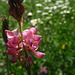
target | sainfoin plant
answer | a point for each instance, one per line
(22, 44)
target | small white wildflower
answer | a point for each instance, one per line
(44, 13)
(38, 11)
(50, 11)
(64, 7)
(55, 7)
(64, 21)
(61, 12)
(57, 2)
(65, 11)
(60, 23)
(72, 17)
(51, 14)
(46, 8)
(68, 12)
(24, 0)
(51, 8)
(59, 6)
(39, 5)
(50, 22)
(29, 14)
(48, 18)
(39, 20)
(63, 15)
(34, 22)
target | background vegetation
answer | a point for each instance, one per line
(55, 20)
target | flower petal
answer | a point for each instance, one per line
(38, 54)
(37, 37)
(33, 30)
(11, 51)
(14, 59)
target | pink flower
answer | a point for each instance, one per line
(1, 64)
(33, 41)
(12, 34)
(16, 44)
(14, 52)
(13, 41)
(43, 70)
(0, 19)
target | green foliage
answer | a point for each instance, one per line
(58, 37)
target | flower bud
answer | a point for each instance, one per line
(16, 9)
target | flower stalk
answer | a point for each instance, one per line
(26, 54)
(7, 63)
(5, 26)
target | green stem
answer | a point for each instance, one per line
(20, 28)
(28, 71)
(27, 68)
(7, 63)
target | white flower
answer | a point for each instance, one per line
(44, 13)
(38, 11)
(51, 14)
(59, 6)
(51, 8)
(68, 12)
(57, 2)
(55, 7)
(72, 17)
(64, 7)
(47, 0)
(48, 18)
(39, 20)
(61, 12)
(29, 14)
(38, 5)
(46, 8)
(64, 21)
(24, 1)
(64, 11)
(34, 22)
(50, 11)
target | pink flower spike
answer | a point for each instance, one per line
(43, 70)
(38, 54)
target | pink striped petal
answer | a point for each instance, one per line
(38, 54)
(37, 37)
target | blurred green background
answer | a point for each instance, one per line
(55, 20)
